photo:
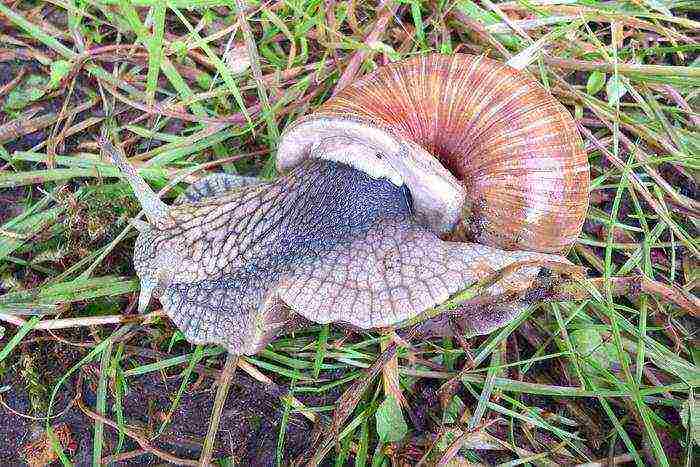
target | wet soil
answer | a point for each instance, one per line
(248, 433)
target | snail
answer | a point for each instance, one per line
(409, 185)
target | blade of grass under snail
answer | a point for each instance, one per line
(485, 395)
(101, 404)
(221, 394)
(279, 450)
(197, 356)
(320, 350)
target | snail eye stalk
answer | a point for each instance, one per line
(156, 210)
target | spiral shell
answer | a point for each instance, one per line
(515, 159)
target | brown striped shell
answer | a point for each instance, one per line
(517, 176)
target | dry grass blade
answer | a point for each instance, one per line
(69, 323)
(221, 394)
(387, 9)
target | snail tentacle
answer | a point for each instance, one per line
(157, 212)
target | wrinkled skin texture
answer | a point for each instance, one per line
(236, 258)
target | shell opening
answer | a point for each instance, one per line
(437, 195)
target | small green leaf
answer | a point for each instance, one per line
(386, 49)
(453, 411)
(59, 70)
(599, 354)
(204, 81)
(391, 426)
(31, 90)
(615, 90)
(180, 49)
(595, 83)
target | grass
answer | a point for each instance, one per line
(193, 86)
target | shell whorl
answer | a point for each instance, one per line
(519, 172)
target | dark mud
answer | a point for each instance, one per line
(248, 432)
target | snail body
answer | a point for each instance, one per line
(377, 185)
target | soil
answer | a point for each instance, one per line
(248, 432)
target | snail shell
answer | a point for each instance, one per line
(512, 172)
